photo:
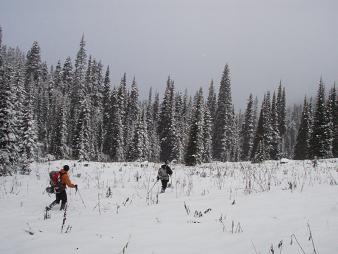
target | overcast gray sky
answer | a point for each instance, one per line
(263, 41)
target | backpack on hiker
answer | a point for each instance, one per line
(55, 182)
(163, 173)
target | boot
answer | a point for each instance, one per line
(62, 206)
(51, 206)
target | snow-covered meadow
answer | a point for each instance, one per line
(212, 208)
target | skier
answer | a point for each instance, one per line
(60, 191)
(163, 174)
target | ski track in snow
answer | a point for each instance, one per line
(222, 214)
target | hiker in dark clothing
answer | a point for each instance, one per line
(163, 174)
(60, 191)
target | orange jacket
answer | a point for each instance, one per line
(65, 179)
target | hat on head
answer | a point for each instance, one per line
(66, 167)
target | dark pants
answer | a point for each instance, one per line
(164, 184)
(61, 196)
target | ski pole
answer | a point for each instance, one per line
(152, 187)
(81, 197)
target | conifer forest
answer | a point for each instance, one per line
(71, 110)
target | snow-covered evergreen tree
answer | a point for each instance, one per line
(334, 106)
(321, 140)
(9, 152)
(223, 120)
(194, 152)
(248, 131)
(152, 116)
(267, 125)
(132, 115)
(78, 94)
(212, 100)
(33, 65)
(29, 128)
(281, 109)
(207, 136)
(140, 143)
(302, 147)
(263, 136)
(275, 138)
(67, 76)
(260, 155)
(168, 135)
(60, 148)
(117, 151)
(19, 95)
(180, 125)
(84, 147)
(281, 112)
(293, 117)
(106, 108)
(331, 111)
(235, 141)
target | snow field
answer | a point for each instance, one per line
(212, 208)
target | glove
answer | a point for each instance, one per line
(76, 187)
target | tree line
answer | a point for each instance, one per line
(72, 111)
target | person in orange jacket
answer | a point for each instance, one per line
(60, 191)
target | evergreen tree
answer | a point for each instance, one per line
(117, 150)
(334, 101)
(8, 148)
(140, 142)
(255, 113)
(57, 78)
(152, 125)
(256, 156)
(223, 120)
(186, 114)
(275, 139)
(321, 141)
(332, 107)
(235, 141)
(212, 100)
(84, 146)
(263, 135)
(267, 125)
(194, 150)
(33, 65)
(180, 124)
(302, 147)
(261, 154)
(248, 131)
(169, 138)
(122, 104)
(106, 108)
(29, 129)
(19, 100)
(132, 114)
(67, 76)
(60, 148)
(293, 118)
(281, 112)
(78, 94)
(35, 78)
(207, 136)
(281, 109)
